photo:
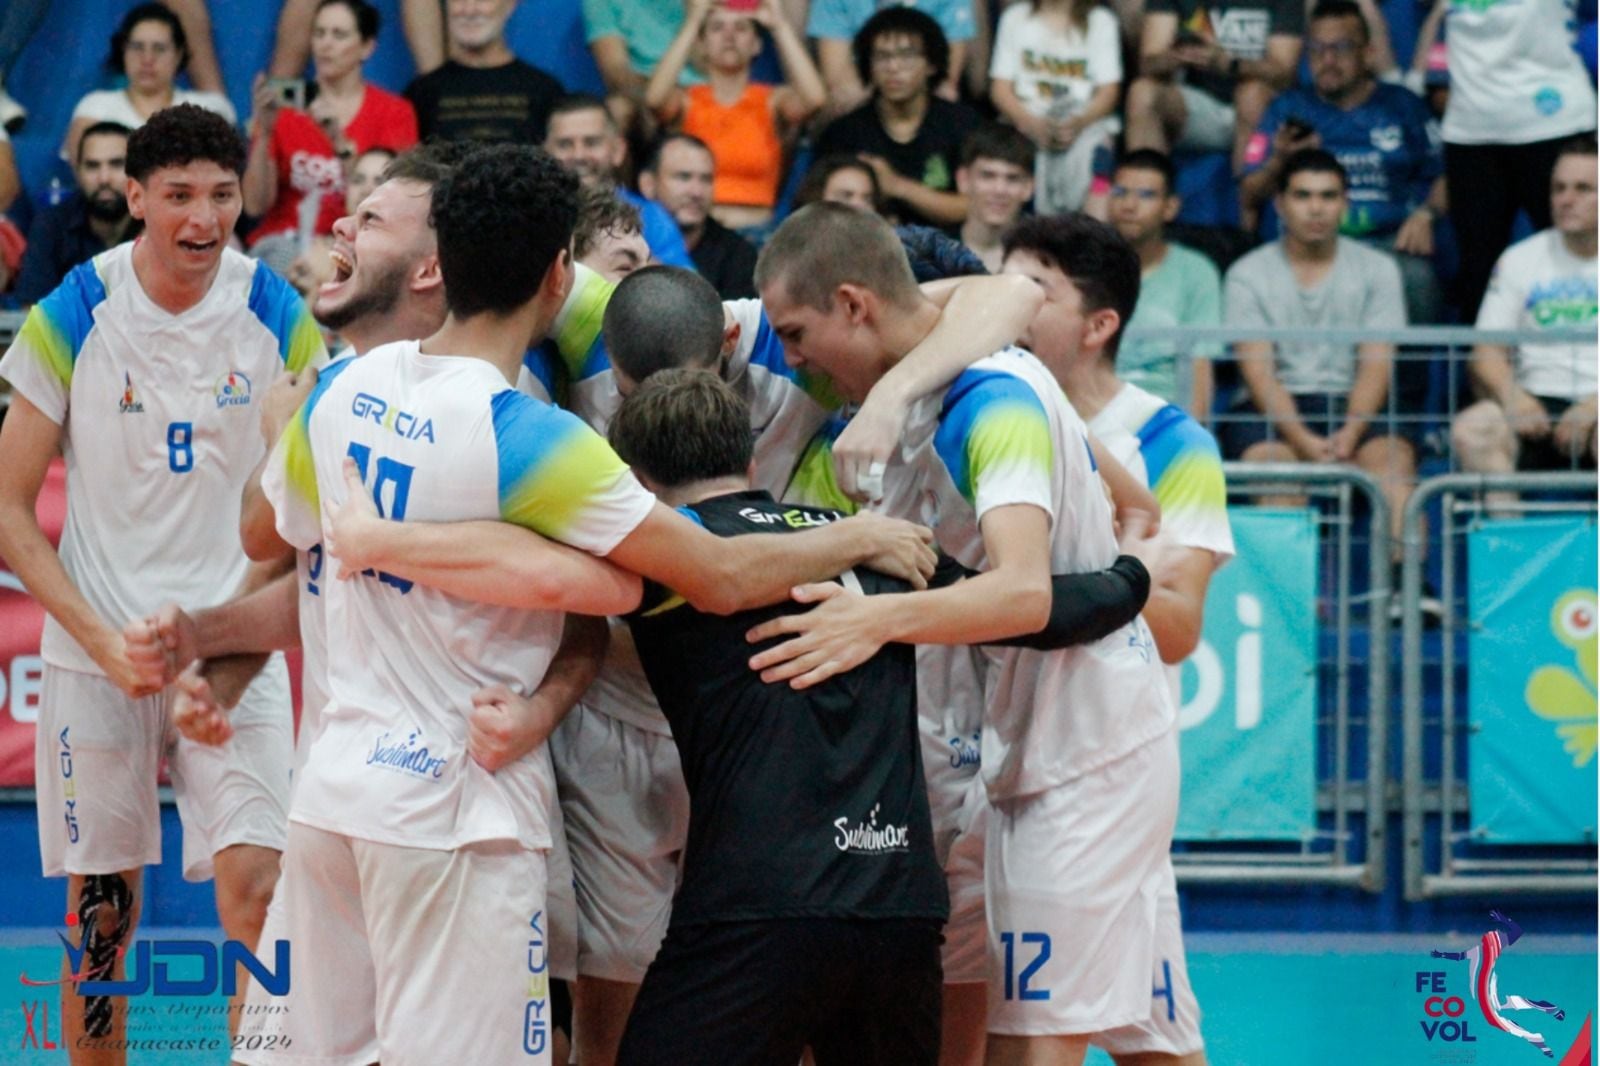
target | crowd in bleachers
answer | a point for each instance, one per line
(1370, 168)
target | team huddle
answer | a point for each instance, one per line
(779, 674)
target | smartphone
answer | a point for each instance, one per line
(291, 92)
(741, 5)
(1298, 127)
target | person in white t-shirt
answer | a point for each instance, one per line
(1518, 89)
(1056, 74)
(144, 369)
(1091, 276)
(1539, 406)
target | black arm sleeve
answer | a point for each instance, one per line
(1086, 607)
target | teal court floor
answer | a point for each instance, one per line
(1287, 999)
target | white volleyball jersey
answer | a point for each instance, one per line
(160, 427)
(438, 439)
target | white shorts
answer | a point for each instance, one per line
(97, 754)
(1173, 1027)
(1074, 875)
(437, 956)
(1209, 127)
(626, 811)
(965, 954)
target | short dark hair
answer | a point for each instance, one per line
(601, 211)
(653, 161)
(825, 245)
(898, 21)
(995, 140)
(101, 129)
(182, 134)
(815, 183)
(1311, 161)
(662, 318)
(1583, 144)
(429, 163)
(149, 12)
(1100, 262)
(682, 426)
(575, 102)
(1341, 9)
(367, 18)
(502, 217)
(1150, 159)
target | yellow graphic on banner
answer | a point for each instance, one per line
(1557, 693)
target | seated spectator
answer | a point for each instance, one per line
(1538, 411)
(297, 154)
(746, 124)
(910, 137)
(841, 179)
(628, 39)
(84, 225)
(1178, 286)
(312, 267)
(151, 50)
(1056, 74)
(835, 24)
(1207, 72)
(1314, 401)
(1383, 136)
(996, 177)
(585, 138)
(680, 177)
(607, 237)
(483, 92)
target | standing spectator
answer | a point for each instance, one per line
(746, 124)
(606, 237)
(1518, 90)
(680, 177)
(910, 137)
(1538, 411)
(835, 24)
(297, 154)
(483, 92)
(1383, 136)
(85, 225)
(151, 49)
(628, 39)
(1208, 70)
(840, 179)
(1318, 402)
(1178, 286)
(996, 177)
(1057, 76)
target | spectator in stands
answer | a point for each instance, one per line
(312, 267)
(840, 179)
(1538, 411)
(1178, 287)
(835, 25)
(910, 137)
(10, 182)
(585, 138)
(607, 237)
(297, 154)
(151, 49)
(1383, 136)
(1518, 91)
(996, 177)
(483, 92)
(1313, 401)
(85, 225)
(1207, 72)
(1056, 75)
(680, 177)
(746, 124)
(628, 39)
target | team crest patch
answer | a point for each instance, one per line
(129, 404)
(232, 390)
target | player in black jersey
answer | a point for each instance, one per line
(811, 903)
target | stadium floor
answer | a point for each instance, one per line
(1269, 1000)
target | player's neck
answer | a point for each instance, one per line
(499, 340)
(1090, 384)
(698, 491)
(904, 330)
(172, 292)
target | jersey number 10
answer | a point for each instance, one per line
(396, 477)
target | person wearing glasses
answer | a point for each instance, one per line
(1382, 134)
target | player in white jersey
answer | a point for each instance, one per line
(1001, 465)
(144, 368)
(1090, 277)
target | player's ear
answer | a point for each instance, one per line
(730, 339)
(558, 277)
(854, 299)
(426, 275)
(135, 194)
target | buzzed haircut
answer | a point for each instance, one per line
(1154, 160)
(183, 134)
(825, 245)
(101, 129)
(429, 164)
(1342, 9)
(653, 162)
(575, 102)
(684, 426)
(1100, 262)
(601, 212)
(1312, 161)
(995, 140)
(663, 318)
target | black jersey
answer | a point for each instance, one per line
(801, 804)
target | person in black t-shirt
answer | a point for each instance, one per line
(910, 137)
(483, 92)
(679, 177)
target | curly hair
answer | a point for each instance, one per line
(1099, 261)
(502, 218)
(183, 134)
(601, 212)
(151, 12)
(897, 21)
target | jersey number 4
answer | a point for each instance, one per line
(390, 490)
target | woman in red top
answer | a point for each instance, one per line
(745, 124)
(299, 154)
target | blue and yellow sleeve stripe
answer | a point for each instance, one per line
(553, 468)
(992, 425)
